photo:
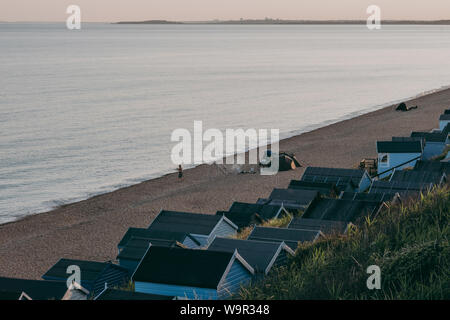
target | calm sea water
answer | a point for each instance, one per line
(85, 112)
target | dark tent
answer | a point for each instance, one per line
(402, 107)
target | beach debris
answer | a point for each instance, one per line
(403, 107)
(371, 165)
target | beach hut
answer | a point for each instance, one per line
(324, 226)
(132, 253)
(419, 176)
(202, 227)
(245, 214)
(261, 255)
(76, 292)
(291, 237)
(342, 210)
(380, 197)
(181, 237)
(12, 295)
(435, 142)
(408, 139)
(324, 188)
(291, 199)
(22, 289)
(191, 274)
(404, 189)
(437, 166)
(356, 180)
(93, 275)
(397, 155)
(444, 120)
(109, 294)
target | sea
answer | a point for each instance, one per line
(84, 112)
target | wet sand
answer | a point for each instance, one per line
(91, 229)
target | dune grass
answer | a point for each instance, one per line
(409, 242)
(278, 223)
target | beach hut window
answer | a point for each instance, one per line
(384, 159)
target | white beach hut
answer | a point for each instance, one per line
(397, 155)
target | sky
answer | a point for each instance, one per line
(196, 10)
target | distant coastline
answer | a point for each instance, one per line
(289, 22)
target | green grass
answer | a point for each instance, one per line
(410, 244)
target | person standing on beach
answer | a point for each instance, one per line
(180, 173)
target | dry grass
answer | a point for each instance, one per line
(277, 223)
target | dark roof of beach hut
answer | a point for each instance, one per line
(186, 267)
(136, 248)
(401, 187)
(300, 196)
(442, 167)
(325, 226)
(436, 136)
(380, 197)
(342, 210)
(342, 178)
(35, 289)
(399, 147)
(324, 188)
(10, 295)
(259, 254)
(445, 116)
(245, 214)
(193, 223)
(418, 176)
(154, 234)
(447, 111)
(94, 274)
(121, 295)
(289, 236)
(407, 139)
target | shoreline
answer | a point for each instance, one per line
(283, 136)
(90, 229)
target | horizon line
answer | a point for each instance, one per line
(212, 21)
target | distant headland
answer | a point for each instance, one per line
(291, 22)
(149, 22)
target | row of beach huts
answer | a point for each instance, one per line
(200, 256)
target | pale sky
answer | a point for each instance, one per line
(194, 10)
